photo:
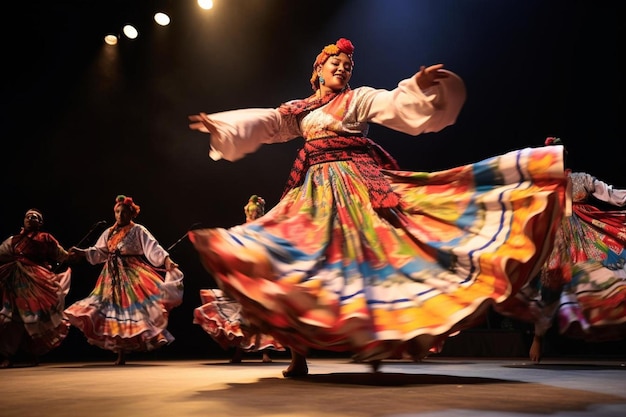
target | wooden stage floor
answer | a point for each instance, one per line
(435, 387)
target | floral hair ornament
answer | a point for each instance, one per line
(342, 45)
(553, 141)
(127, 201)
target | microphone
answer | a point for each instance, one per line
(93, 228)
(192, 227)
(195, 226)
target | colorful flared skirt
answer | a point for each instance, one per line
(220, 316)
(128, 310)
(33, 300)
(323, 269)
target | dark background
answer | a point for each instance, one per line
(83, 121)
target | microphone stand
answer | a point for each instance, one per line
(192, 227)
(93, 228)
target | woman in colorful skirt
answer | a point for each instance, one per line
(221, 316)
(582, 286)
(128, 309)
(32, 293)
(359, 256)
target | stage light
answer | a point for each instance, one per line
(110, 39)
(130, 32)
(205, 4)
(162, 19)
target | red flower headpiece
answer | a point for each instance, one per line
(345, 46)
(342, 45)
(553, 141)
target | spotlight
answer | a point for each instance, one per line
(205, 4)
(130, 32)
(110, 39)
(162, 19)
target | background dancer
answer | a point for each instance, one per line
(128, 309)
(31, 292)
(221, 316)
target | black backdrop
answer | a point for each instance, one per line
(83, 121)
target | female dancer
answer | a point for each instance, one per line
(129, 307)
(582, 286)
(31, 292)
(221, 316)
(359, 256)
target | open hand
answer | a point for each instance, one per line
(429, 76)
(200, 122)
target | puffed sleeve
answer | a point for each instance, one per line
(605, 192)
(98, 253)
(236, 133)
(411, 110)
(152, 250)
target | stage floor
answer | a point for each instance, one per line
(436, 387)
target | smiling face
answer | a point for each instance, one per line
(336, 72)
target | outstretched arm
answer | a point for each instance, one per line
(427, 102)
(605, 192)
(236, 133)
